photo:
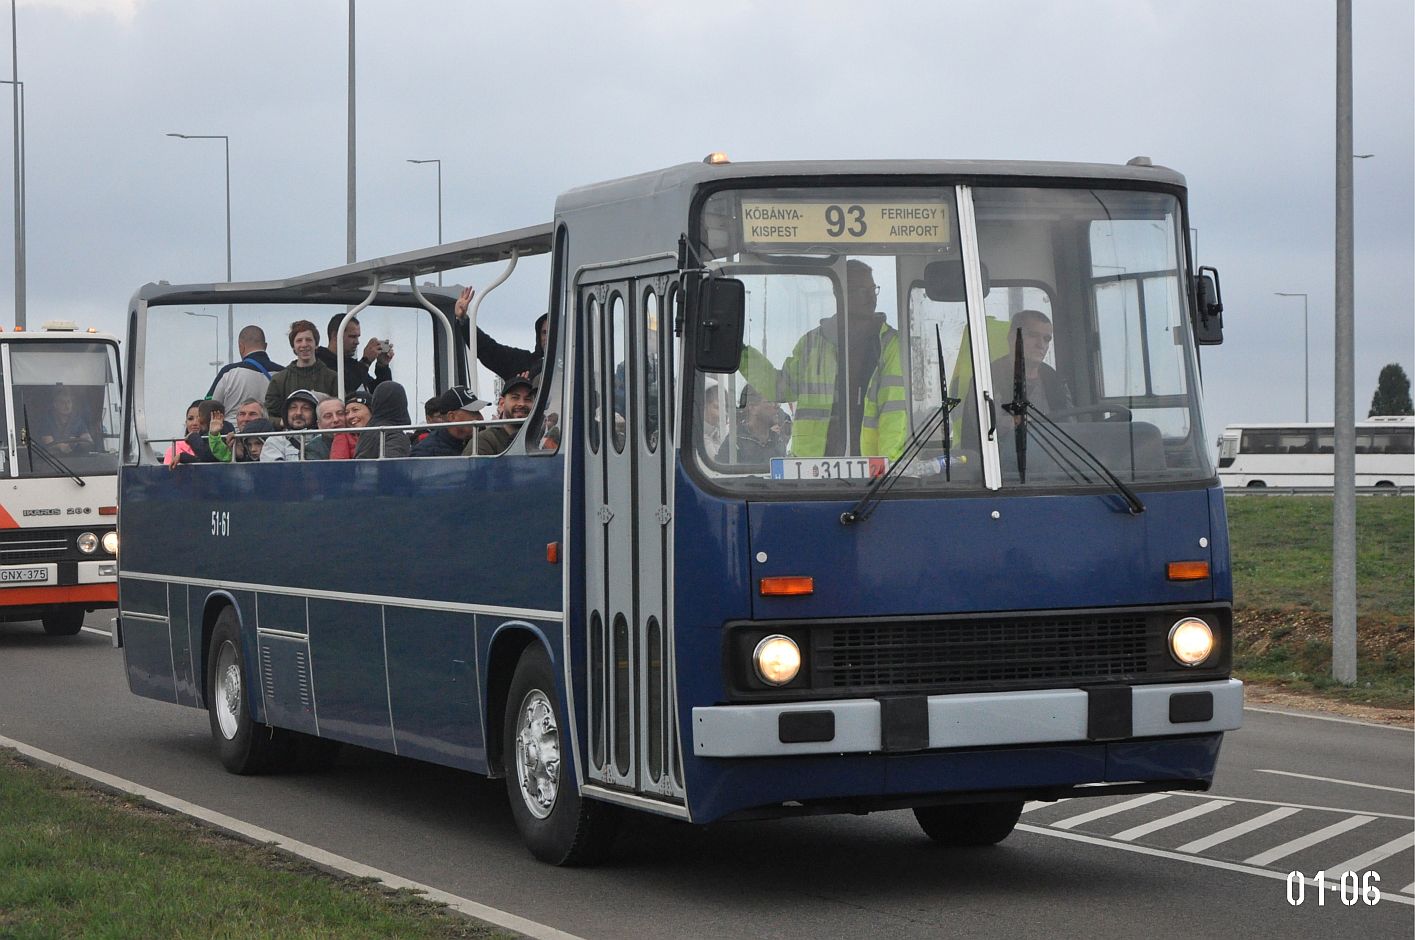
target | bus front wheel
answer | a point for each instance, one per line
(64, 622)
(969, 824)
(556, 823)
(243, 746)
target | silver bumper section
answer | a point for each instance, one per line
(989, 719)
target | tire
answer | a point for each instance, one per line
(1256, 485)
(557, 825)
(243, 746)
(1384, 485)
(969, 824)
(67, 621)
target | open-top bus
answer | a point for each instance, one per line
(59, 420)
(908, 567)
(1262, 455)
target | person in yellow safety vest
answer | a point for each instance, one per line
(876, 421)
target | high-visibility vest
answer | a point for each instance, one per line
(808, 378)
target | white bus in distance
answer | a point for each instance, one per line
(1259, 455)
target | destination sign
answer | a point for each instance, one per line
(784, 224)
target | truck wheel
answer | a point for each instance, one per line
(969, 824)
(557, 825)
(64, 622)
(243, 746)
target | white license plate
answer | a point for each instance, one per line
(828, 468)
(23, 575)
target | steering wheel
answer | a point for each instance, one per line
(1115, 412)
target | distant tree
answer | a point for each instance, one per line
(1392, 392)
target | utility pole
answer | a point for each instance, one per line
(1343, 555)
(352, 249)
(19, 175)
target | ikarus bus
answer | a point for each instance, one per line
(846, 487)
(59, 420)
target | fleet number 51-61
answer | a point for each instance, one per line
(220, 522)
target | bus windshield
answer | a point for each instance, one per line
(858, 321)
(63, 409)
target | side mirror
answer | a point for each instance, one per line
(943, 281)
(1208, 308)
(722, 316)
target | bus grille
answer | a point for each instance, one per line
(1049, 650)
(24, 545)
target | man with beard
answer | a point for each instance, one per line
(517, 398)
(299, 415)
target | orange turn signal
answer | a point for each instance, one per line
(794, 584)
(552, 552)
(1188, 570)
(108, 510)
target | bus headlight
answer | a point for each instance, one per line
(110, 542)
(1191, 641)
(88, 543)
(777, 659)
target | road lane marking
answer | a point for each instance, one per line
(1349, 783)
(1233, 832)
(1310, 839)
(1340, 721)
(304, 850)
(1325, 809)
(1366, 859)
(1037, 804)
(1191, 859)
(1409, 889)
(1105, 811)
(1193, 812)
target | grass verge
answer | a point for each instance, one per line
(77, 861)
(1281, 550)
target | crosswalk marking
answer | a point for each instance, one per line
(1408, 889)
(1367, 859)
(1129, 835)
(1105, 811)
(1035, 804)
(1309, 840)
(1233, 832)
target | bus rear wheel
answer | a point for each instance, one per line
(66, 622)
(969, 824)
(556, 823)
(243, 746)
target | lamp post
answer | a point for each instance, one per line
(1306, 358)
(230, 310)
(19, 200)
(216, 361)
(439, 205)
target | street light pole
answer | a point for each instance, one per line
(230, 309)
(439, 205)
(19, 172)
(217, 361)
(1306, 357)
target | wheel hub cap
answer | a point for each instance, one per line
(538, 754)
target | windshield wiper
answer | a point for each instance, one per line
(1053, 436)
(55, 462)
(1018, 406)
(936, 419)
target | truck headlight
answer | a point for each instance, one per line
(1191, 641)
(777, 659)
(88, 543)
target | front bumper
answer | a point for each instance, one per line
(963, 720)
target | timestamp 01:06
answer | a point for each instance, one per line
(1353, 887)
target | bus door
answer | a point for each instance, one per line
(628, 525)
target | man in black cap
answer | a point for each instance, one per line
(518, 396)
(456, 404)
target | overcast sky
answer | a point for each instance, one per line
(522, 101)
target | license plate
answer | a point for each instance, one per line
(828, 468)
(23, 575)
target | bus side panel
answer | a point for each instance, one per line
(1220, 568)
(346, 643)
(183, 663)
(147, 639)
(432, 686)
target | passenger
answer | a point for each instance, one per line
(248, 449)
(506, 361)
(248, 378)
(878, 422)
(518, 396)
(297, 415)
(457, 404)
(63, 428)
(306, 372)
(356, 370)
(759, 431)
(209, 442)
(181, 448)
(389, 409)
(329, 416)
(248, 410)
(432, 415)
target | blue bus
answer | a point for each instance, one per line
(848, 486)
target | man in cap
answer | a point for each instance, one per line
(299, 414)
(457, 404)
(518, 396)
